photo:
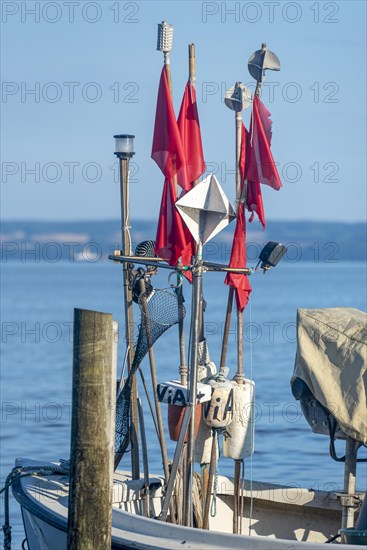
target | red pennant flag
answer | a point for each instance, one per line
(238, 255)
(254, 201)
(167, 148)
(260, 165)
(173, 240)
(189, 127)
(238, 259)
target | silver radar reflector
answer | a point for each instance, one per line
(165, 37)
(238, 97)
(205, 209)
(260, 61)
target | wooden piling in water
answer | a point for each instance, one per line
(90, 502)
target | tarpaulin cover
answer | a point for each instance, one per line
(332, 360)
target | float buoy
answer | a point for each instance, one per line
(176, 396)
(175, 418)
(218, 412)
(239, 441)
(203, 441)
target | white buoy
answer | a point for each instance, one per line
(218, 412)
(240, 440)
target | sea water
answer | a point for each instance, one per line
(36, 367)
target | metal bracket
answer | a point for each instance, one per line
(348, 501)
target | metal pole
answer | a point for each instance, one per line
(129, 318)
(90, 495)
(260, 81)
(227, 325)
(239, 197)
(350, 467)
(236, 496)
(145, 458)
(195, 327)
(153, 372)
(208, 492)
(175, 464)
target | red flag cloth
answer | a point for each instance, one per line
(167, 148)
(189, 127)
(238, 255)
(173, 239)
(238, 259)
(260, 165)
(254, 201)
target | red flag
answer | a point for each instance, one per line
(238, 259)
(173, 240)
(260, 165)
(238, 255)
(167, 148)
(254, 201)
(189, 127)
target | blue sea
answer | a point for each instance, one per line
(36, 367)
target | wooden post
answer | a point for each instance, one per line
(90, 495)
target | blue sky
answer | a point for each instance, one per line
(94, 71)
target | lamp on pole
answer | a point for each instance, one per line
(124, 150)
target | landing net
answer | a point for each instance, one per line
(159, 311)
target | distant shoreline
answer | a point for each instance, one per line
(310, 241)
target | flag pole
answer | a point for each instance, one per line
(239, 376)
(197, 272)
(183, 365)
(164, 44)
(237, 106)
(240, 197)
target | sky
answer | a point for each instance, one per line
(74, 73)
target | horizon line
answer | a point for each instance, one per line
(104, 220)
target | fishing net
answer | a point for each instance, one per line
(159, 311)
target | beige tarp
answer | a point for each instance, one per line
(332, 360)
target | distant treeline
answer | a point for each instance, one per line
(91, 241)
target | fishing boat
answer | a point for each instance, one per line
(210, 413)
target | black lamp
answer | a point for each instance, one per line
(271, 254)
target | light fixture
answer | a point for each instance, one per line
(271, 254)
(124, 145)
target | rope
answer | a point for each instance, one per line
(16, 474)
(252, 429)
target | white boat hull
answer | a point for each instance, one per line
(282, 518)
